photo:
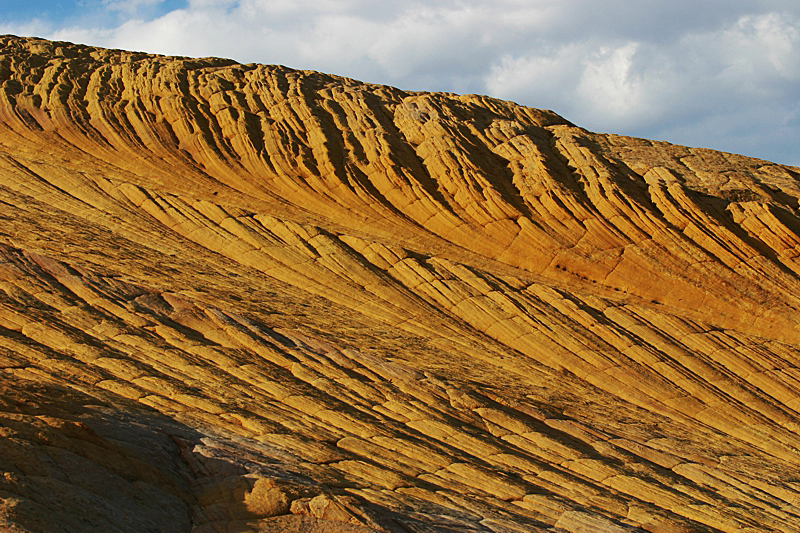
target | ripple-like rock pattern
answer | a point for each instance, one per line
(253, 299)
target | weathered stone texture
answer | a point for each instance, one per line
(245, 298)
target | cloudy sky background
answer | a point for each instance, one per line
(721, 74)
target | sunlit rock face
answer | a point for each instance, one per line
(245, 298)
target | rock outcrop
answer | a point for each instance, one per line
(245, 298)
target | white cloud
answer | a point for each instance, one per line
(32, 27)
(609, 82)
(701, 88)
(612, 86)
(777, 39)
(653, 68)
(129, 6)
(545, 74)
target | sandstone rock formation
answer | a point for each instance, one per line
(245, 298)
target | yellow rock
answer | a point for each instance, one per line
(249, 298)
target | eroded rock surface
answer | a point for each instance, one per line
(247, 298)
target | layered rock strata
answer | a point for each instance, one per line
(248, 298)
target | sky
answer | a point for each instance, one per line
(721, 74)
